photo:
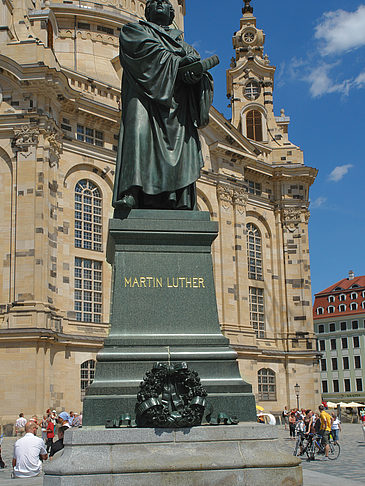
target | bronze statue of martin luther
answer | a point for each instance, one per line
(166, 96)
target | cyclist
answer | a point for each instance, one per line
(325, 430)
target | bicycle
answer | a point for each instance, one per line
(316, 447)
(302, 445)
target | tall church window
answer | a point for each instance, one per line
(266, 384)
(254, 125)
(88, 290)
(254, 252)
(88, 216)
(87, 373)
(257, 311)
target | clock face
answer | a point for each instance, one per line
(249, 37)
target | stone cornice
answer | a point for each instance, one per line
(228, 152)
(52, 337)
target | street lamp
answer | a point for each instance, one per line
(297, 393)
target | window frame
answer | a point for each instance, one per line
(254, 125)
(88, 290)
(88, 216)
(87, 375)
(266, 395)
(254, 247)
(258, 323)
(357, 362)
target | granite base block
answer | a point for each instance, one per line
(206, 456)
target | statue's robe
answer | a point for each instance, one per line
(159, 149)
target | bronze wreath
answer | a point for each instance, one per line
(170, 395)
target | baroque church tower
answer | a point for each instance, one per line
(59, 123)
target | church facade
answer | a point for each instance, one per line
(59, 123)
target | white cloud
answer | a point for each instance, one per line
(339, 172)
(359, 81)
(321, 82)
(341, 31)
(317, 203)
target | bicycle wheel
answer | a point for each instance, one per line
(334, 451)
(296, 451)
(310, 451)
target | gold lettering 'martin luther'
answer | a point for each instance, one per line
(169, 282)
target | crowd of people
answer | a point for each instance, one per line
(309, 422)
(30, 450)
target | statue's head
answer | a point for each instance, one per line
(160, 12)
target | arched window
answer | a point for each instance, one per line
(342, 308)
(88, 216)
(254, 252)
(331, 309)
(331, 298)
(87, 373)
(353, 306)
(266, 384)
(353, 295)
(320, 311)
(342, 297)
(254, 125)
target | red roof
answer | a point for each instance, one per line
(344, 284)
(341, 306)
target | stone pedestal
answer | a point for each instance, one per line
(164, 308)
(241, 455)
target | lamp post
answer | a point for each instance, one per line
(297, 393)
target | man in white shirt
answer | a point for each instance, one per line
(28, 452)
(20, 425)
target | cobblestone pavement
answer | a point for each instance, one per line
(347, 470)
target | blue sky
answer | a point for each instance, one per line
(318, 48)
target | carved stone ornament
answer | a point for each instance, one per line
(24, 137)
(307, 215)
(292, 218)
(170, 396)
(240, 198)
(53, 139)
(225, 195)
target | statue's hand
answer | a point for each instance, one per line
(191, 78)
(188, 60)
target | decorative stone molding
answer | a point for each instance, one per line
(93, 36)
(52, 139)
(291, 217)
(25, 137)
(240, 198)
(307, 215)
(225, 195)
